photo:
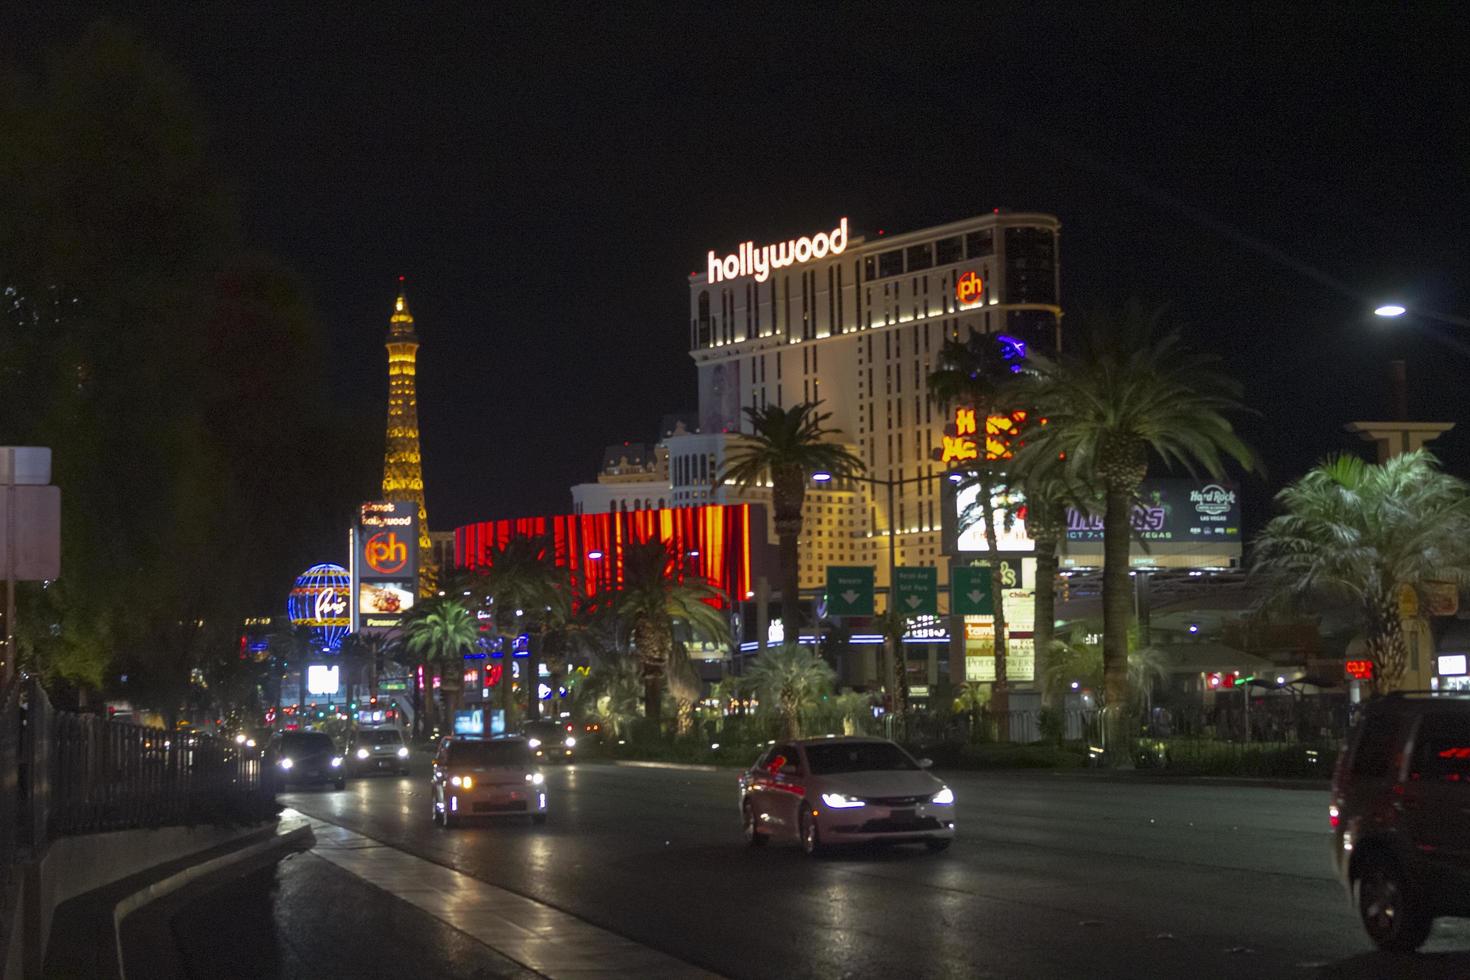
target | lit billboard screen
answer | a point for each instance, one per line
(385, 566)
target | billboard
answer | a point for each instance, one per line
(385, 563)
(1172, 512)
(963, 528)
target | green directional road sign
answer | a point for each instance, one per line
(969, 591)
(850, 590)
(916, 591)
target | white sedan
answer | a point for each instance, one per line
(824, 791)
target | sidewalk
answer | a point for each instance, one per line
(353, 907)
(307, 918)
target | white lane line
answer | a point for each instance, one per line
(547, 940)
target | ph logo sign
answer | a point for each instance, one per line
(969, 288)
(385, 553)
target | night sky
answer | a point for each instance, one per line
(547, 177)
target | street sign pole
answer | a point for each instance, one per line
(10, 550)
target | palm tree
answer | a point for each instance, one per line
(981, 375)
(441, 631)
(529, 594)
(1046, 521)
(892, 625)
(684, 686)
(611, 695)
(790, 679)
(655, 599)
(784, 448)
(1124, 393)
(1358, 534)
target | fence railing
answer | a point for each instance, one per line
(79, 774)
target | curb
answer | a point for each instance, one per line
(297, 836)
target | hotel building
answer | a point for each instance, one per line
(856, 321)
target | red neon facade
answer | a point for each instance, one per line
(720, 534)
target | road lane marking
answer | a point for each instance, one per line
(549, 941)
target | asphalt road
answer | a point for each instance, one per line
(1050, 876)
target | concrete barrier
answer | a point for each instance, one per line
(73, 866)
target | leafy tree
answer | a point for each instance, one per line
(441, 631)
(784, 448)
(611, 696)
(979, 374)
(528, 594)
(652, 602)
(163, 364)
(1124, 392)
(790, 681)
(1356, 534)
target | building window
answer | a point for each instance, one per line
(978, 243)
(949, 250)
(890, 263)
(919, 257)
(1031, 266)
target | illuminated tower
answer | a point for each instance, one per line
(403, 472)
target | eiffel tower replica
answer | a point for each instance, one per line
(403, 472)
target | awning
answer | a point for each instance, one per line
(1209, 658)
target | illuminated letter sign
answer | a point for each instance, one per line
(747, 260)
(385, 553)
(969, 288)
(1360, 669)
(1000, 430)
(330, 604)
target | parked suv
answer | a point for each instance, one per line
(1400, 816)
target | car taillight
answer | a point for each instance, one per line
(1333, 816)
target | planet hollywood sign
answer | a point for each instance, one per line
(748, 260)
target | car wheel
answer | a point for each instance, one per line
(538, 818)
(1390, 908)
(753, 836)
(811, 834)
(937, 843)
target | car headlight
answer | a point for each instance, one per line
(403, 752)
(943, 797)
(240, 739)
(534, 743)
(535, 778)
(336, 761)
(362, 753)
(571, 741)
(464, 782)
(285, 763)
(840, 801)
(250, 743)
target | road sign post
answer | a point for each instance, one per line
(850, 590)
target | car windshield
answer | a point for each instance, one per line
(543, 729)
(386, 736)
(857, 757)
(489, 754)
(306, 742)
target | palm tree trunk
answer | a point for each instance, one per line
(792, 618)
(1000, 697)
(652, 696)
(1117, 595)
(686, 717)
(1044, 628)
(1385, 640)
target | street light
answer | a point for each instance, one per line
(1390, 309)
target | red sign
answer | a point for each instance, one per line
(969, 287)
(385, 553)
(1359, 669)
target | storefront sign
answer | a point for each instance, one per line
(1359, 669)
(747, 260)
(1452, 665)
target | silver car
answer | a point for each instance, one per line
(487, 777)
(825, 791)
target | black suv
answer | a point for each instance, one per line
(1400, 816)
